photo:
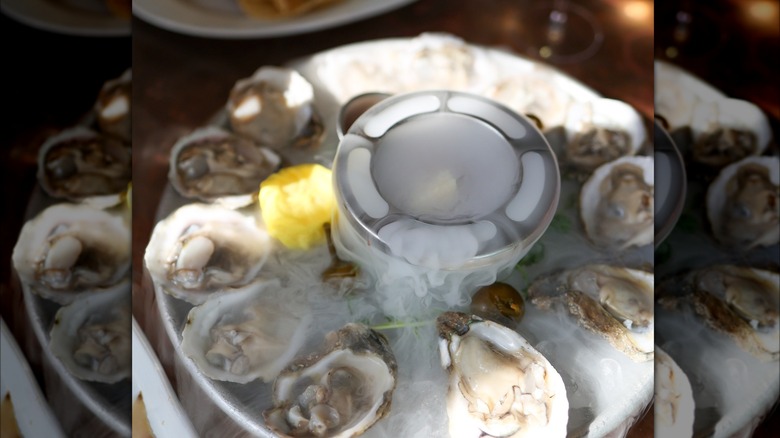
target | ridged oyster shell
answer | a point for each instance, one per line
(340, 391)
(203, 248)
(616, 203)
(113, 107)
(600, 131)
(500, 386)
(613, 302)
(728, 130)
(211, 163)
(246, 334)
(275, 108)
(739, 302)
(78, 163)
(674, 404)
(743, 203)
(70, 249)
(91, 336)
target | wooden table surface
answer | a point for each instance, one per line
(181, 81)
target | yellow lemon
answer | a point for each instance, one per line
(296, 202)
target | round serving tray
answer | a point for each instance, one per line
(237, 408)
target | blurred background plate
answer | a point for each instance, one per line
(207, 19)
(90, 18)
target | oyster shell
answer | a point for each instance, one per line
(728, 130)
(339, 392)
(674, 405)
(615, 303)
(91, 335)
(202, 248)
(600, 131)
(739, 302)
(500, 386)
(533, 94)
(274, 107)
(743, 203)
(616, 203)
(112, 108)
(69, 249)
(246, 334)
(211, 163)
(438, 60)
(752, 297)
(78, 163)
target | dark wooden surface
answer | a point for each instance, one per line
(181, 81)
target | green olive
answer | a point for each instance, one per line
(498, 300)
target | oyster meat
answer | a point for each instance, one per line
(211, 163)
(246, 334)
(615, 303)
(112, 108)
(79, 162)
(674, 404)
(616, 203)
(202, 248)
(500, 386)
(744, 303)
(743, 203)
(728, 130)
(600, 131)
(339, 392)
(70, 249)
(91, 335)
(275, 108)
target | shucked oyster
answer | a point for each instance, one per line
(500, 386)
(72, 248)
(435, 61)
(275, 108)
(79, 162)
(339, 392)
(212, 163)
(728, 130)
(616, 203)
(674, 405)
(533, 94)
(91, 336)
(747, 306)
(743, 203)
(245, 334)
(616, 303)
(600, 131)
(112, 108)
(200, 248)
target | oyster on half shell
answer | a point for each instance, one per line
(70, 249)
(743, 203)
(728, 130)
(615, 303)
(211, 163)
(248, 333)
(91, 336)
(339, 392)
(500, 386)
(113, 107)
(600, 131)
(275, 108)
(78, 163)
(202, 248)
(616, 203)
(674, 404)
